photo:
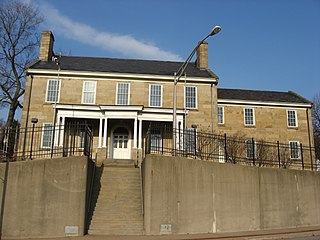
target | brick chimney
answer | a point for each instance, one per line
(46, 46)
(202, 56)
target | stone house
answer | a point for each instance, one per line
(119, 98)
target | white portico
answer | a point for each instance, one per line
(119, 130)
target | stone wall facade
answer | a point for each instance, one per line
(271, 123)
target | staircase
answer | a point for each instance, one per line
(118, 207)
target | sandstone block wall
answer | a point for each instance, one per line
(270, 124)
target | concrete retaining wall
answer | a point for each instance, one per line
(191, 196)
(45, 198)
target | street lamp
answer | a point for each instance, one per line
(34, 122)
(177, 76)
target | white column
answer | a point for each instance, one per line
(105, 136)
(61, 131)
(100, 134)
(135, 133)
(140, 134)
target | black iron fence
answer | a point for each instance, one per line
(192, 143)
(47, 141)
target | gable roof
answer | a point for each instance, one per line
(261, 96)
(115, 65)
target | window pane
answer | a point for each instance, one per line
(190, 143)
(89, 90)
(294, 150)
(191, 98)
(52, 90)
(155, 95)
(81, 135)
(220, 115)
(249, 118)
(123, 94)
(250, 149)
(47, 135)
(292, 118)
(155, 140)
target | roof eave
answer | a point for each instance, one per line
(62, 73)
(264, 103)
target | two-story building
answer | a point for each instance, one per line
(119, 98)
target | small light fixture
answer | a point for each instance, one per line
(34, 120)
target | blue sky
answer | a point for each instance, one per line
(265, 45)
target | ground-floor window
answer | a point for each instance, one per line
(47, 135)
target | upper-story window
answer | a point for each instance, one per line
(190, 97)
(155, 95)
(292, 118)
(123, 91)
(53, 90)
(249, 117)
(89, 92)
(220, 115)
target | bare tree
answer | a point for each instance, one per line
(18, 43)
(316, 123)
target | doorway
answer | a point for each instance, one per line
(121, 143)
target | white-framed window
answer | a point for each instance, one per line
(220, 115)
(123, 93)
(155, 141)
(53, 90)
(221, 151)
(292, 118)
(190, 140)
(89, 92)
(251, 149)
(190, 97)
(82, 134)
(155, 95)
(294, 149)
(47, 130)
(249, 117)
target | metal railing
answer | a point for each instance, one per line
(192, 143)
(46, 142)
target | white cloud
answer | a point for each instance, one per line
(124, 44)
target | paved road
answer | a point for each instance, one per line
(302, 238)
(306, 233)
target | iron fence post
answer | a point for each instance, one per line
(311, 159)
(161, 134)
(301, 150)
(253, 152)
(225, 148)
(31, 145)
(179, 138)
(195, 142)
(279, 160)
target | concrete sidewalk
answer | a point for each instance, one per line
(256, 235)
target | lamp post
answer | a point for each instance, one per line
(34, 122)
(57, 62)
(177, 76)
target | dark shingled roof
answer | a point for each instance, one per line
(114, 65)
(260, 96)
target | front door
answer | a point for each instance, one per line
(121, 143)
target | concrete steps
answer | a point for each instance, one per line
(118, 207)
